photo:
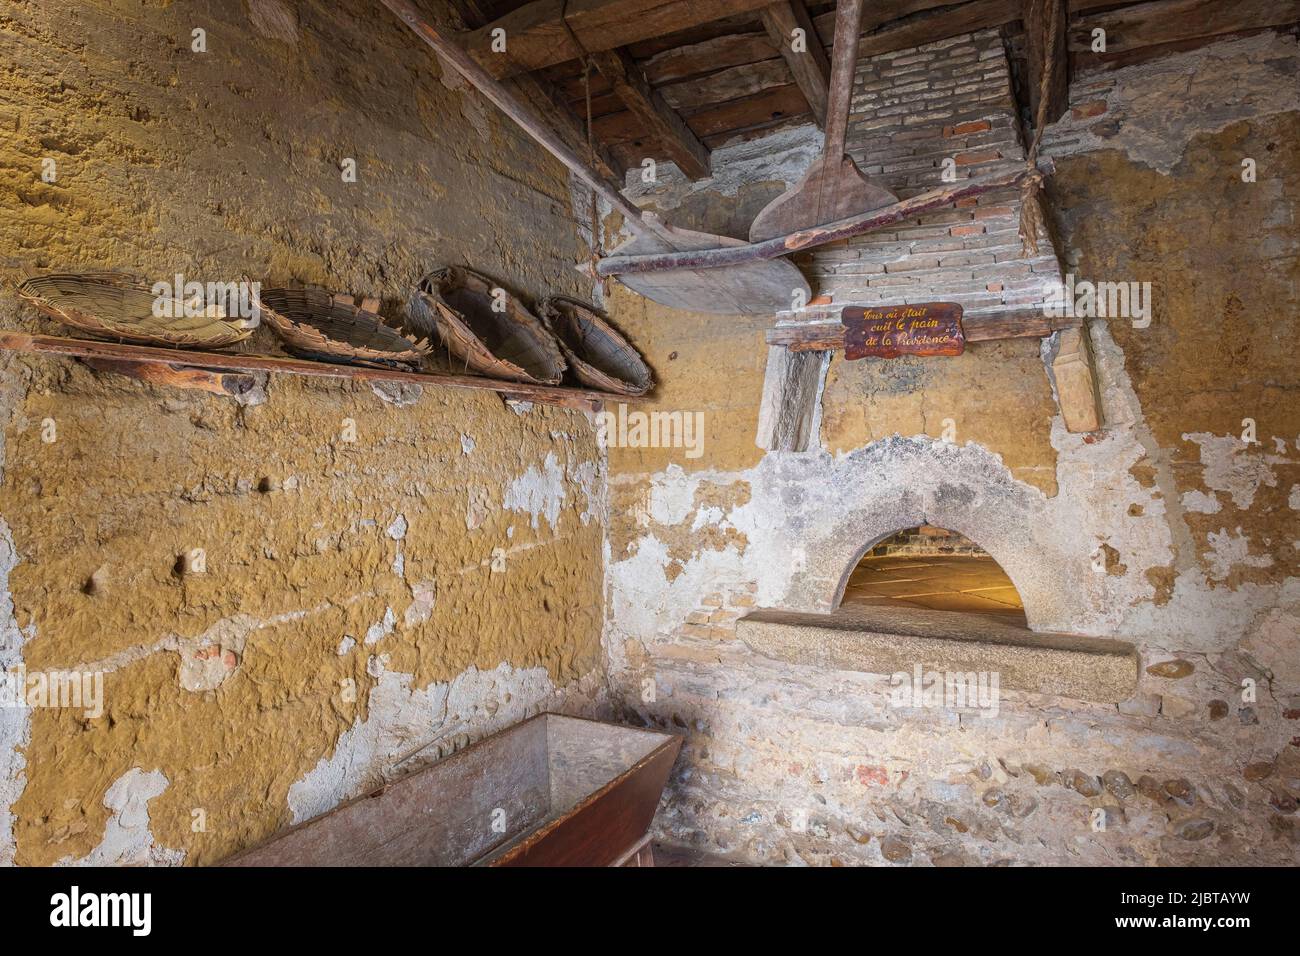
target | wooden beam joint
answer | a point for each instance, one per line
(661, 121)
(806, 57)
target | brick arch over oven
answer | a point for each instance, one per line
(901, 483)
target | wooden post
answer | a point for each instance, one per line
(791, 391)
(811, 69)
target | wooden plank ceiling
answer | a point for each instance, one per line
(674, 79)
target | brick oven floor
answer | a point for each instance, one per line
(942, 583)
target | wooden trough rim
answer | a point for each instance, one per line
(237, 362)
(520, 846)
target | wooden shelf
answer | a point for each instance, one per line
(185, 369)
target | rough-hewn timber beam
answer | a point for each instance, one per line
(543, 33)
(1170, 21)
(902, 24)
(660, 120)
(549, 107)
(1046, 23)
(806, 58)
(225, 362)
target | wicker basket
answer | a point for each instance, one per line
(457, 304)
(598, 355)
(110, 305)
(312, 324)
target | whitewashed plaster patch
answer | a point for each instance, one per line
(1162, 104)
(404, 722)
(127, 839)
(538, 492)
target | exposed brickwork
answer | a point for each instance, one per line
(927, 539)
(911, 111)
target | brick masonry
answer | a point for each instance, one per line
(912, 110)
(927, 540)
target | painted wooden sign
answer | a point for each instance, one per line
(926, 328)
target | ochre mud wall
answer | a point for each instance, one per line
(349, 615)
(1165, 529)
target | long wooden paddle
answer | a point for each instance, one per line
(753, 288)
(833, 187)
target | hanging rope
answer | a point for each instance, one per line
(597, 237)
(1031, 213)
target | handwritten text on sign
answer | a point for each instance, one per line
(930, 328)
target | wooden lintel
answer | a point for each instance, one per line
(1046, 23)
(221, 362)
(809, 65)
(660, 120)
(820, 330)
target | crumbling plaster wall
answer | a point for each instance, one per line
(349, 624)
(1164, 529)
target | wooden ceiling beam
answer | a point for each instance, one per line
(546, 32)
(786, 20)
(550, 107)
(661, 121)
(1170, 21)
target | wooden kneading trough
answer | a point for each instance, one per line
(551, 791)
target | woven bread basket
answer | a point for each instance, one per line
(111, 305)
(456, 304)
(598, 355)
(312, 324)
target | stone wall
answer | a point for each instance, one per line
(350, 624)
(1165, 529)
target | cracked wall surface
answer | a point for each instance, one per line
(367, 605)
(1164, 529)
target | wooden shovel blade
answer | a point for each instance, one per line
(827, 192)
(752, 288)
